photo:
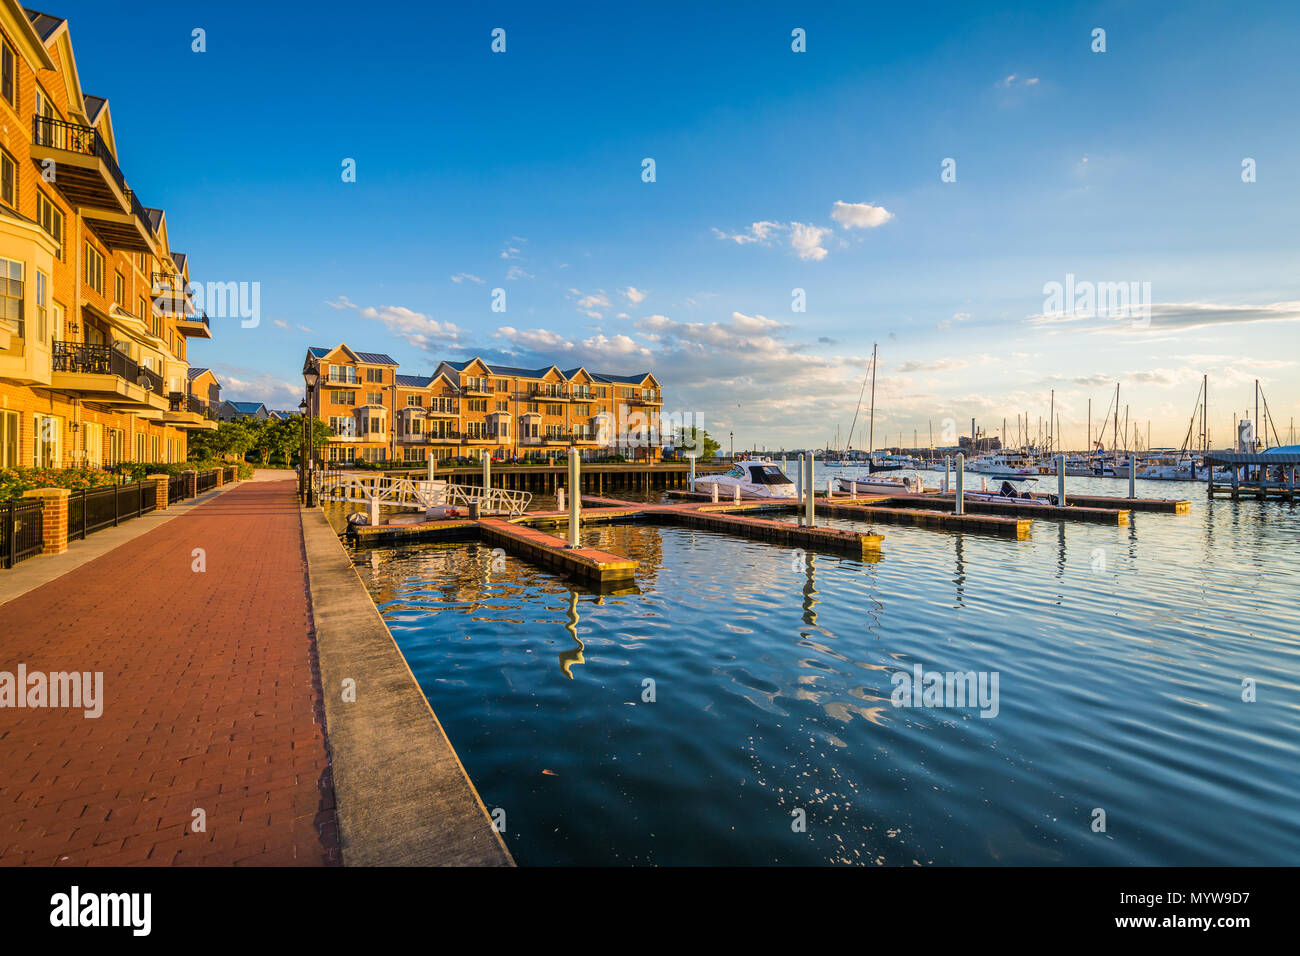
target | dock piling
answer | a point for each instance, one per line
(810, 494)
(798, 481)
(961, 483)
(1060, 481)
(1132, 475)
(575, 497)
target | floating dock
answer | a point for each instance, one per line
(1070, 512)
(926, 518)
(596, 567)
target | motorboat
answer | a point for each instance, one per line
(1169, 468)
(1010, 494)
(1002, 465)
(755, 477)
(875, 484)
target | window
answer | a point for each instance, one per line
(119, 289)
(139, 448)
(8, 179)
(11, 296)
(7, 62)
(116, 446)
(56, 330)
(476, 430)
(476, 405)
(503, 406)
(556, 411)
(374, 398)
(343, 398)
(51, 220)
(375, 375)
(442, 404)
(92, 435)
(42, 306)
(414, 401)
(142, 307)
(503, 385)
(533, 407)
(8, 439)
(343, 426)
(345, 374)
(94, 269)
(48, 431)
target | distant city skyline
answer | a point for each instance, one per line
(923, 177)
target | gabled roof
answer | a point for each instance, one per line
(179, 259)
(94, 106)
(247, 407)
(367, 358)
(620, 379)
(44, 24)
(195, 372)
(413, 381)
(503, 369)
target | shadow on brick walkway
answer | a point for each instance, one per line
(212, 700)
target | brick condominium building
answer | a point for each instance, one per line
(464, 408)
(95, 315)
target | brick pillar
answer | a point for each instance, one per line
(161, 484)
(54, 518)
(191, 483)
(221, 474)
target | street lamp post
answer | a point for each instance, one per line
(310, 376)
(302, 454)
(732, 436)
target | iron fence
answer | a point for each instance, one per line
(20, 530)
(95, 509)
(207, 481)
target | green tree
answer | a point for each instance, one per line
(695, 440)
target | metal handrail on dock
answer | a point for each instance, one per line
(402, 492)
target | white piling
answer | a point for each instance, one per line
(1060, 481)
(947, 473)
(559, 499)
(431, 460)
(373, 512)
(715, 492)
(811, 495)
(736, 494)
(830, 488)
(853, 488)
(1132, 475)
(575, 496)
(691, 484)
(487, 471)
(961, 484)
(798, 481)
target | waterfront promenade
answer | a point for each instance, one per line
(212, 710)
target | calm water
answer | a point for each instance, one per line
(1120, 653)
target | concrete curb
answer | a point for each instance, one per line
(401, 794)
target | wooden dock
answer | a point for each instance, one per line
(926, 518)
(596, 567)
(1070, 512)
(1167, 505)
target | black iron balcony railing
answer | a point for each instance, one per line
(93, 360)
(137, 207)
(75, 138)
(176, 402)
(165, 282)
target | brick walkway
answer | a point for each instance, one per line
(211, 700)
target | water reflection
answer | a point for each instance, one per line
(573, 655)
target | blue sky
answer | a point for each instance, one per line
(523, 171)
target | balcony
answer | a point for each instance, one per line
(548, 393)
(194, 326)
(477, 390)
(186, 411)
(90, 179)
(104, 374)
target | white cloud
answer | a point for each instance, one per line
(280, 322)
(414, 328)
(515, 272)
(806, 240)
(342, 302)
(634, 295)
(860, 215)
(462, 276)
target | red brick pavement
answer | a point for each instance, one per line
(211, 700)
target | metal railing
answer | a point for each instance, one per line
(176, 488)
(94, 360)
(75, 138)
(95, 509)
(137, 207)
(207, 480)
(21, 530)
(401, 492)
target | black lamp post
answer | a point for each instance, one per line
(310, 376)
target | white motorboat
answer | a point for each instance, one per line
(877, 484)
(1010, 494)
(1002, 465)
(755, 477)
(1169, 468)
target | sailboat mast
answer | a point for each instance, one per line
(871, 434)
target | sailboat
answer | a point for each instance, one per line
(872, 482)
